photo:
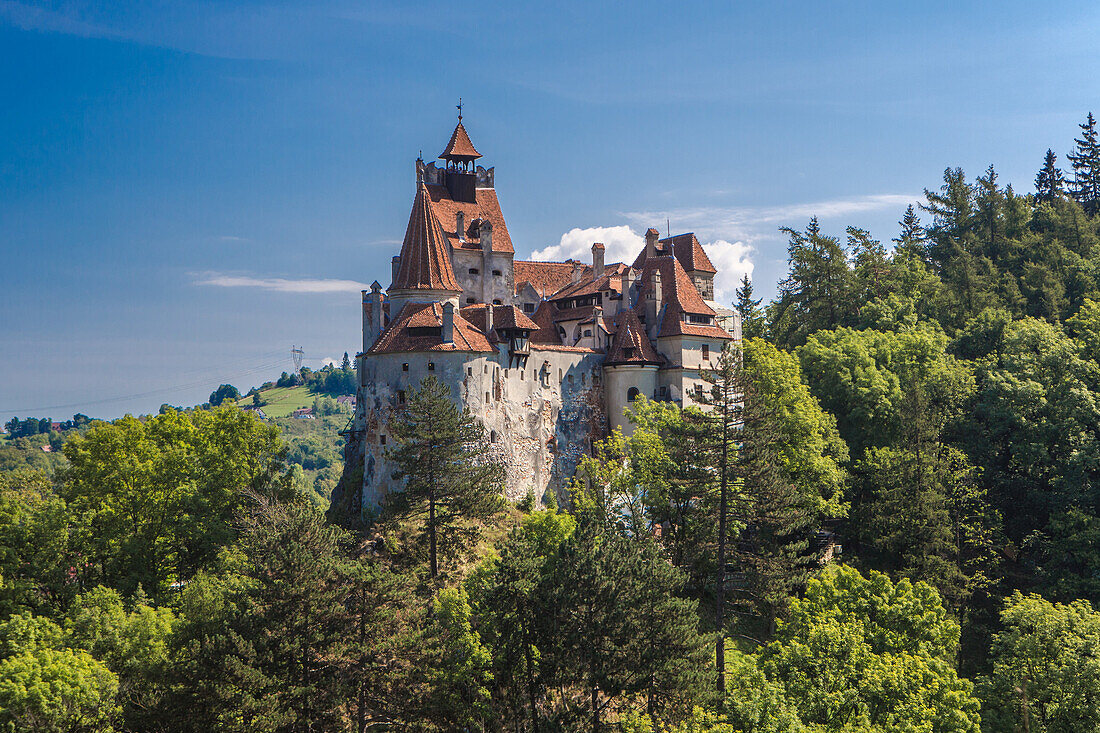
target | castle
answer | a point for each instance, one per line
(546, 355)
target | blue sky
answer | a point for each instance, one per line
(186, 189)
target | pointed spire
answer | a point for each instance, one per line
(460, 148)
(425, 260)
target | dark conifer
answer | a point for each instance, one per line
(451, 482)
(911, 241)
(752, 316)
(1086, 167)
(1050, 185)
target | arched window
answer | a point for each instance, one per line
(492, 436)
(632, 394)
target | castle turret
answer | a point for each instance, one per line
(423, 272)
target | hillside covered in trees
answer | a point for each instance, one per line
(885, 517)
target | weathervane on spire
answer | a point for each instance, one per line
(459, 105)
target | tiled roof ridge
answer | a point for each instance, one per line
(396, 339)
(425, 258)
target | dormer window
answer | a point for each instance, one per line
(496, 301)
(628, 352)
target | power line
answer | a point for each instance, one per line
(151, 393)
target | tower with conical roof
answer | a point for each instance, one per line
(423, 272)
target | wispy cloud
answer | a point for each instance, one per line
(751, 224)
(282, 285)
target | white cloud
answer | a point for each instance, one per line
(329, 360)
(621, 242)
(731, 259)
(283, 285)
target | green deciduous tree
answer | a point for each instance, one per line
(47, 687)
(1046, 668)
(156, 498)
(860, 651)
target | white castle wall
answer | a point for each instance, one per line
(543, 417)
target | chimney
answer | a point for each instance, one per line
(395, 265)
(448, 322)
(488, 318)
(625, 286)
(486, 231)
(597, 259)
(578, 270)
(368, 324)
(653, 306)
(460, 225)
(651, 236)
(378, 318)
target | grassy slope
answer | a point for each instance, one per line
(281, 401)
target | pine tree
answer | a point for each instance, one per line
(752, 317)
(1050, 185)
(451, 481)
(771, 552)
(911, 242)
(725, 383)
(814, 295)
(1086, 167)
(611, 624)
(346, 363)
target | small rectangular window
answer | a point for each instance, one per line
(405, 367)
(474, 271)
(496, 273)
(431, 366)
(588, 332)
(400, 396)
(486, 396)
(382, 439)
(528, 307)
(706, 352)
(469, 371)
(699, 392)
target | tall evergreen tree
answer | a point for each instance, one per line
(613, 626)
(451, 481)
(911, 240)
(1086, 167)
(814, 295)
(752, 316)
(1050, 184)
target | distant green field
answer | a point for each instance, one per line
(281, 401)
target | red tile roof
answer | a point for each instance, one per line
(460, 146)
(676, 286)
(545, 277)
(548, 329)
(405, 334)
(588, 285)
(504, 316)
(686, 249)
(630, 334)
(425, 258)
(673, 324)
(486, 206)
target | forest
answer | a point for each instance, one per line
(884, 516)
